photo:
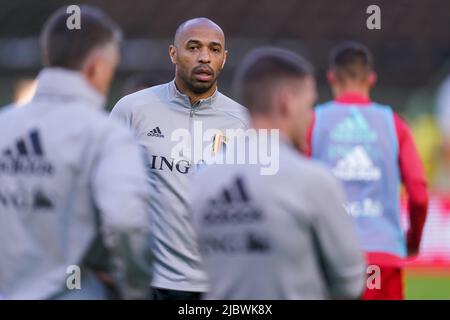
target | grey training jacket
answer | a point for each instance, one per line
(71, 183)
(156, 116)
(280, 236)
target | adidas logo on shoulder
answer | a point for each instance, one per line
(155, 133)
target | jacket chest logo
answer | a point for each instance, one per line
(156, 132)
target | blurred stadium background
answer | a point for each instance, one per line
(412, 58)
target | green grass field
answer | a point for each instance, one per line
(427, 286)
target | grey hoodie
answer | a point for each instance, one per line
(71, 182)
(281, 236)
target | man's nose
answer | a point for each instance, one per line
(204, 56)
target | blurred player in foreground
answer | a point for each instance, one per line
(72, 187)
(280, 236)
(371, 150)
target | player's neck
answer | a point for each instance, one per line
(266, 123)
(339, 91)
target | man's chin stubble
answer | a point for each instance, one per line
(200, 89)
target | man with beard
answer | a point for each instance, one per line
(154, 114)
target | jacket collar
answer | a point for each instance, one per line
(64, 83)
(180, 98)
(353, 98)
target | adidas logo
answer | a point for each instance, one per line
(354, 129)
(235, 193)
(22, 148)
(357, 165)
(156, 133)
(25, 156)
(232, 206)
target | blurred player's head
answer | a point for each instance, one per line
(351, 69)
(92, 50)
(278, 88)
(199, 55)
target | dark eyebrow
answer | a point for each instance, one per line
(213, 44)
(193, 42)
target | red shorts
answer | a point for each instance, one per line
(390, 285)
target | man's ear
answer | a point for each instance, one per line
(372, 78)
(91, 65)
(284, 101)
(225, 56)
(173, 53)
(331, 77)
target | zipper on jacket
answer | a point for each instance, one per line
(191, 121)
(193, 107)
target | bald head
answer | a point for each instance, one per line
(199, 54)
(192, 26)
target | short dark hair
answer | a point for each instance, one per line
(351, 60)
(68, 48)
(261, 69)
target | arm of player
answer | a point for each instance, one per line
(337, 246)
(414, 180)
(121, 194)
